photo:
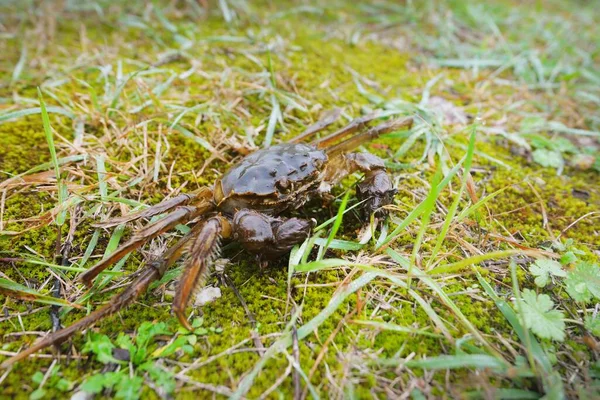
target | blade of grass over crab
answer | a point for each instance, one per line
(12, 289)
(385, 326)
(452, 210)
(35, 110)
(332, 219)
(417, 211)
(60, 218)
(339, 244)
(429, 205)
(336, 225)
(310, 244)
(305, 330)
(296, 255)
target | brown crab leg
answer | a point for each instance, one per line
(204, 248)
(329, 118)
(354, 125)
(204, 194)
(371, 134)
(146, 276)
(139, 286)
(180, 215)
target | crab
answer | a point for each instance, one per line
(248, 205)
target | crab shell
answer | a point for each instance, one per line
(271, 180)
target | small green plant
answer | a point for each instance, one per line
(138, 353)
(583, 282)
(49, 380)
(554, 152)
(592, 324)
(540, 317)
(544, 269)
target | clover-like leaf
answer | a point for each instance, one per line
(541, 318)
(583, 282)
(592, 324)
(568, 258)
(548, 158)
(101, 346)
(129, 388)
(543, 268)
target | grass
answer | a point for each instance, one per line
(143, 101)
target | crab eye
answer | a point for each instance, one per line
(283, 184)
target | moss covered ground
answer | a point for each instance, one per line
(150, 99)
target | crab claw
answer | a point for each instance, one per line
(378, 191)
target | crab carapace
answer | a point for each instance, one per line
(248, 204)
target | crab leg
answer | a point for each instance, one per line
(354, 125)
(204, 248)
(181, 214)
(153, 271)
(133, 291)
(371, 134)
(330, 117)
(183, 199)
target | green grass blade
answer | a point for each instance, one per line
(20, 65)
(447, 301)
(429, 204)
(336, 225)
(201, 141)
(338, 244)
(332, 219)
(101, 170)
(397, 328)
(474, 207)
(305, 330)
(35, 110)
(417, 211)
(552, 381)
(62, 190)
(477, 361)
(454, 206)
(273, 118)
(494, 255)
(16, 290)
